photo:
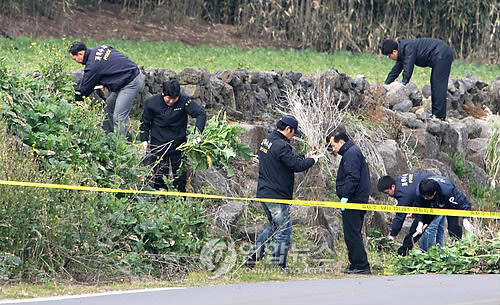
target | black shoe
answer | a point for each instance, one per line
(251, 261)
(357, 271)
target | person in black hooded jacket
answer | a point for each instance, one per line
(163, 129)
(423, 52)
(352, 185)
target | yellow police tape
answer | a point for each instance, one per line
(329, 204)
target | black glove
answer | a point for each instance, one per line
(403, 251)
(78, 96)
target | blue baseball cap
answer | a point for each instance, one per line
(291, 121)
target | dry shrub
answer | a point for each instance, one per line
(475, 111)
(375, 111)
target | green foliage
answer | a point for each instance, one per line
(46, 229)
(468, 255)
(461, 167)
(39, 109)
(219, 146)
(378, 242)
(9, 265)
(87, 236)
(168, 225)
(485, 197)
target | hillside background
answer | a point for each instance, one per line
(472, 28)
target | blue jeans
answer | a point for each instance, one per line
(434, 233)
(277, 234)
(119, 104)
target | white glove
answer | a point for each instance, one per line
(343, 200)
(316, 157)
(390, 237)
(420, 229)
(145, 146)
(467, 225)
(197, 140)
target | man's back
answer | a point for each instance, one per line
(423, 52)
(353, 176)
(106, 66)
(277, 165)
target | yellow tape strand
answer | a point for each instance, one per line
(329, 204)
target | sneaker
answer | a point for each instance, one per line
(357, 271)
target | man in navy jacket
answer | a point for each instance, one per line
(163, 129)
(440, 193)
(352, 185)
(277, 167)
(403, 189)
(423, 52)
(108, 67)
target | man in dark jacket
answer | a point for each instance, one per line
(108, 67)
(163, 129)
(440, 193)
(403, 189)
(277, 167)
(352, 185)
(423, 52)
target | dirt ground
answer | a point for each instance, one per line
(106, 23)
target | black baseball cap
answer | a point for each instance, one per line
(291, 121)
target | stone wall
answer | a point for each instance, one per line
(246, 95)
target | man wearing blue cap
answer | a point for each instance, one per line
(277, 167)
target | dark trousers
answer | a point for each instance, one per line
(166, 161)
(439, 82)
(352, 222)
(454, 229)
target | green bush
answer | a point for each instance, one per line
(468, 255)
(461, 167)
(80, 235)
(39, 109)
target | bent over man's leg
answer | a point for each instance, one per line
(439, 83)
(124, 100)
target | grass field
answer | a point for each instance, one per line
(23, 54)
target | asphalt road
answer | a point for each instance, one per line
(436, 289)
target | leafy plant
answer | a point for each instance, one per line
(378, 242)
(461, 167)
(219, 146)
(170, 225)
(467, 255)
